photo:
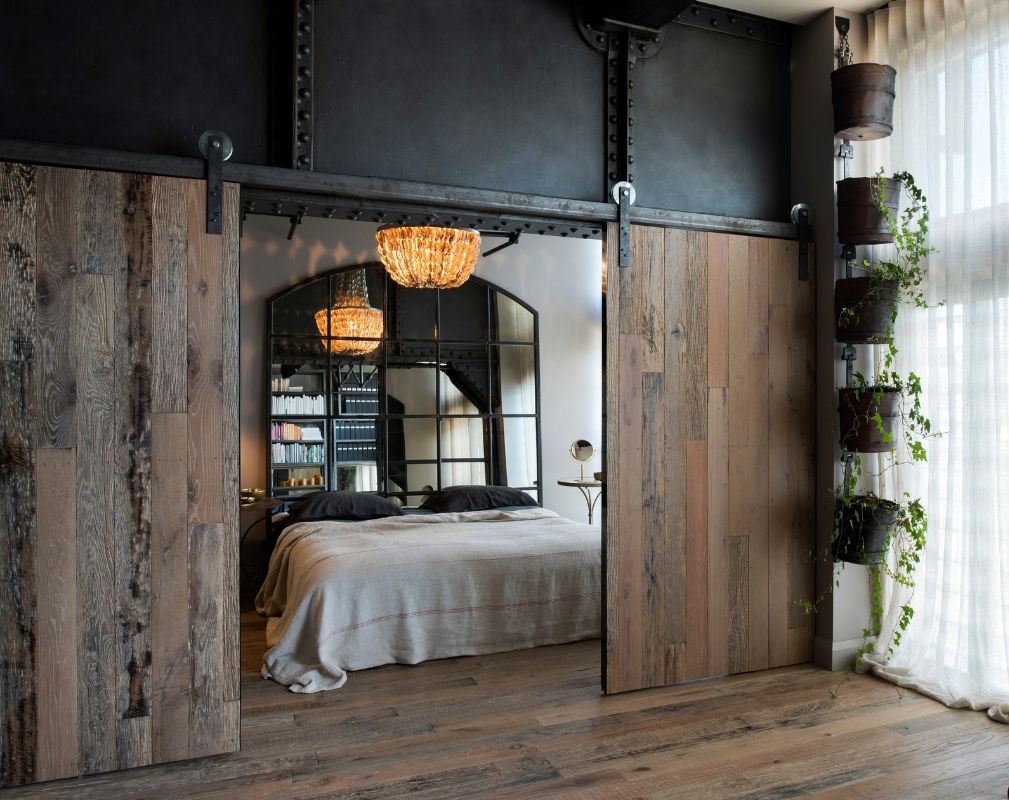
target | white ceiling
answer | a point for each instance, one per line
(798, 12)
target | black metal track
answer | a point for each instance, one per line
(320, 191)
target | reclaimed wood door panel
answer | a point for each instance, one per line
(708, 506)
(118, 473)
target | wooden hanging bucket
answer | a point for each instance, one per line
(863, 310)
(863, 101)
(858, 218)
(859, 432)
(861, 529)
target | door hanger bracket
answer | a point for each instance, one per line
(802, 219)
(624, 196)
(216, 148)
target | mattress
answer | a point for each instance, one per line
(344, 596)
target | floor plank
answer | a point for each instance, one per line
(533, 724)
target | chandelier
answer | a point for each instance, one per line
(428, 257)
(351, 316)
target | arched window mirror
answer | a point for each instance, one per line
(446, 393)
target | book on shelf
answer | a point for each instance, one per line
(291, 432)
(282, 454)
(364, 451)
(298, 404)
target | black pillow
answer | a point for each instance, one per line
(476, 498)
(350, 506)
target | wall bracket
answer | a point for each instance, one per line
(802, 219)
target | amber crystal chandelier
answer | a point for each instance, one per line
(428, 257)
(351, 316)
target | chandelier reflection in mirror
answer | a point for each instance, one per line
(351, 316)
(422, 257)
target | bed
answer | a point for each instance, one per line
(344, 596)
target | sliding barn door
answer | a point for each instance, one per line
(709, 457)
(118, 473)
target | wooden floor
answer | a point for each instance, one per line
(533, 725)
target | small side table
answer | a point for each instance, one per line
(585, 486)
(264, 508)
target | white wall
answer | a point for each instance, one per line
(558, 277)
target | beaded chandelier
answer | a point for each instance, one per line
(428, 257)
(351, 316)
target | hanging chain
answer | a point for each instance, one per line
(844, 53)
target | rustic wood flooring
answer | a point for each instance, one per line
(532, 725)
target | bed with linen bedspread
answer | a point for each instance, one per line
(344, 596)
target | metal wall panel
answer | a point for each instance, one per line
(483, 93)
(147, 77)
(712, 125)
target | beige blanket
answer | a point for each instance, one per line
(345, 596)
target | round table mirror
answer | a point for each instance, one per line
(582, 451)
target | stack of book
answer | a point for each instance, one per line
(303, 404)
(354, 431)
(298, 454)
(356, 452)
(285, 431)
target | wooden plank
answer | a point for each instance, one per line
(662, 519)
(718, 310)
(171, 667)
(230, 441)
(801, 392)
(205, 341)
(696, 600)
(739, 606)
(56, 385)
(648, 257)
(97, 619)
(757, 509)
(18, 698)
(100, 205)
(687, 305)
(169, 274)
(56, 643)
(611, 558)
(718, 531)
(207, 729)
(133, 742)
(132, 492)
(758, 294)
(624, 577)
(739, 358)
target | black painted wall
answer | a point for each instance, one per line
(496, 94)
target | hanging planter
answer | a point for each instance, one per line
(863, 101)
(863, 527)
(859, 219)
(869, 418)
(864, 310)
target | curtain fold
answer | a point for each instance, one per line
(951, 130)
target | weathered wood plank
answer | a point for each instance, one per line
(649, 261)
(757, 510)
(132, 509)
(662, 518)
(56, 385)
(18, 709)
(718, 531)
(687, 297)
(611, 557)
(739, 604)
(624, 576)
(133, 742)
(718, 310)
(97, 447)
(171, 667)
(758, 294)
(696, 600)
(207, 732)
(205, 389)
(169, 275)
(56, 642)
(100, 206)
(230, 443)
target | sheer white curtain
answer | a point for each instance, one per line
(951, 130)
